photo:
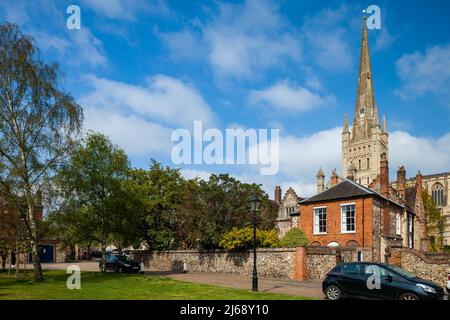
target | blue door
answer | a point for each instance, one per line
(46, 253)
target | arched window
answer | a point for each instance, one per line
(437, 192)
(352, 243)
(333, 244)
(368, 163)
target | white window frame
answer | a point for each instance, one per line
(344, 220)
(360, 256)
(398, 224)
(316, 226)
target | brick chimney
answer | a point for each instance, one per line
(334, 178)
(401, 182)
(419, 185)
(384, 177)
(278, 194)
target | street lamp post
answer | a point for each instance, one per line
(254, 205)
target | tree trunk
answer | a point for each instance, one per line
(10, 263)
(25, 257)
(4, 257)
(36, 262)
(17, 259)
(38, 276)
(103, 259)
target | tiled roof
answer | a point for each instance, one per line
(433, 175)
(343, 190)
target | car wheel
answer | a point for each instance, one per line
(408, 296)
(333, 293)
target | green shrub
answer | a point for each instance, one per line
(294, 238)
(242, 239)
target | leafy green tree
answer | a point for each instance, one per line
(92, 181)
(435, 222)
(242, 239)
(154, 198)
(221, 203)
(295, 237)
(38, 122)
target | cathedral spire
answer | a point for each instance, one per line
(365, 102)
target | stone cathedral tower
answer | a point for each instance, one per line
(367, 144)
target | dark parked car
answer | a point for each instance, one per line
(370, 280)
(120, 263)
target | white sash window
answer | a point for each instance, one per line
(320, 220)
(348, 218)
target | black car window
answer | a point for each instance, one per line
(125, 259)
(337, 269)
(386, 272)
(372, 269)
(352, 268)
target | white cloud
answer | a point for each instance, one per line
(423, 73)
(45, 21)
(429, 155)
(288, 96)
(183, 45)
(126, 9)
(162, 98)
(134, 134)
(192, 174)
(301, 157)
(384, 38)
(140, 119)
(87, 47)
(240, 40)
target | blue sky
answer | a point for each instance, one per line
(141, 69)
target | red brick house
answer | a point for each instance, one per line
(375, 218)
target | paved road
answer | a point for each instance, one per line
(311, 289)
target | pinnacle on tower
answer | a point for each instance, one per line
(383, 126)
(345, 123)
(320, 173)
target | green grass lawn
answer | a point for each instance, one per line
(97, 286)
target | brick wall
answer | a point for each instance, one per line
(364, 222)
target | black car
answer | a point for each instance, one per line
(120, 263)
(370, 280)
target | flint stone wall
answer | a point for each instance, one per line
(275, 263)
(434, 267)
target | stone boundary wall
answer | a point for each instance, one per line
(277, 263)
(320, 260)
(302, 263)
(430, 266)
